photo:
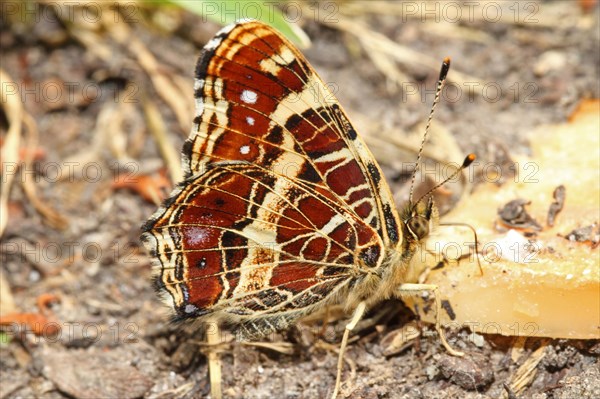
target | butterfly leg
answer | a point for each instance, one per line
(358, 313)
(415, 288)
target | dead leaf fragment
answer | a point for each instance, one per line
(514, 215)
(152, 188)
(557, 205)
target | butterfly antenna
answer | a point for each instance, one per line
(440, 84)
(468, 161)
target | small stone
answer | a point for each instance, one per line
(472, 372)
(477, 339)
(549, 61)
(432, 372)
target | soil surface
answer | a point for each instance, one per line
(96, 169)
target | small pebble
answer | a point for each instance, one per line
(472, 372)
(549, 61)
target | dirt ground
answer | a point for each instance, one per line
(104, 92)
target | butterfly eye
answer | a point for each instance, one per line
(418, 226)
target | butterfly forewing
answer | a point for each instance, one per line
(259, 100)
(283, 207)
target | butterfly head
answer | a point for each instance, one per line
(419, 220)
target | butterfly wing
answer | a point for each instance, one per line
(249, 243)
(283, 207)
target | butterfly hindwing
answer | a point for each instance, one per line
(246, 241)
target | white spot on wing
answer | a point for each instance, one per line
(250, 120)
(249, 97)
(287, 57)
(213, 43)
(190, 308)
(196, 235)
(245, 149)
(225, 30)
(199, 105)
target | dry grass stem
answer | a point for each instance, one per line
(214, 364)
(158, 129)
(9, 154)
(164, 85)
(526, 373)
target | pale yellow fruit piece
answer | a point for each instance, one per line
(553, 291)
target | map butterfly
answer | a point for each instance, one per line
(283, 208)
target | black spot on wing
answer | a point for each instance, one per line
(351, 133)
(390, 223)
(208, 53)
(373, 223)
(374, 173)
(201, 264)
(344, 122)
(186, 152)
(370, 255)
(148, 225)
(202, 67)
(275, 136)
(325, 114)
(309, 174)
(294, 120)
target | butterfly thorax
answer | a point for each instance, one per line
(403, 263)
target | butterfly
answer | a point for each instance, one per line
(283, 209)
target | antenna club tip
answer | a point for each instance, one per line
(469, 160)
(445, 68)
